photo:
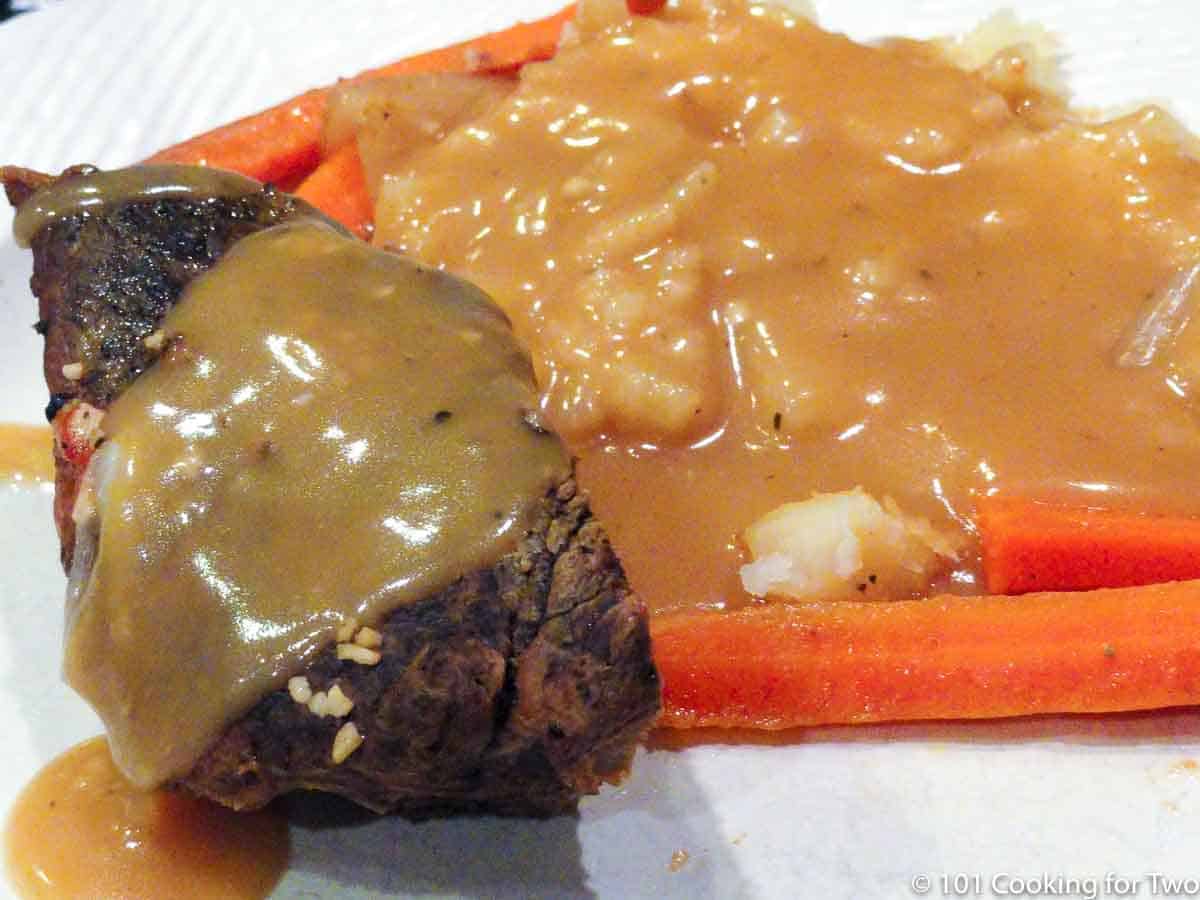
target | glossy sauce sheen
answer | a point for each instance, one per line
(80, 830)
(90, 190)
(332, 432)
(755, 260)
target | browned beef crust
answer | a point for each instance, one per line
(515, 690)
(104, 282)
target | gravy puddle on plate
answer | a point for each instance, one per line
(79, 829)
(25, 454)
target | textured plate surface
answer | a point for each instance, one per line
(855, 813)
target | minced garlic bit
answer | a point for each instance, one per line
(843, 546)
(355, 653)
(368, 637)
(330, 703)
(337, 704)
(299, 689)
(155, 340)
(72, 371)
(346, 630)
(345, 742)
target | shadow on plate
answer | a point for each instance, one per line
(337, 844)
(347, 851)
(655, 831)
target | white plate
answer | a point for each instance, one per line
(858, 813)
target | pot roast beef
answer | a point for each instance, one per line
(516, 689)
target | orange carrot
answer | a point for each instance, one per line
(282, 144)
(942, 658)
(1034, 546)
(338, 188)
(277, 145)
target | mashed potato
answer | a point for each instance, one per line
(843, 546)
(757, 261)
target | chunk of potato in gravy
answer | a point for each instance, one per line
(755, 260)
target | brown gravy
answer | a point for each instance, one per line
(25, 454)
(92, 189)
(333, 431)
(80, 830)
(756, 260)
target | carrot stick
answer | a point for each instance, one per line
(282, 144)
(277, 145)
(1034, 546)
(942, 658)
(338, 188)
